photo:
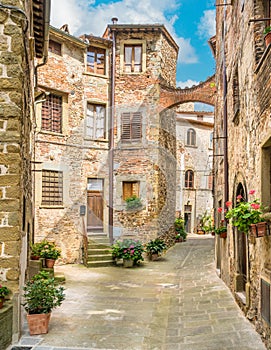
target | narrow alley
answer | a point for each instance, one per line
(176, 303)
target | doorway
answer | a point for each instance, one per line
(187, 218)
(95, 205)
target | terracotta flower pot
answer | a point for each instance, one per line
(267, 39)
(253, 230)
(223, 234)
(50, 263)
(38, 323)
(261, 229)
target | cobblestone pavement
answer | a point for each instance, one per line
(176, 303)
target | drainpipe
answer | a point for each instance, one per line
(111, 135)
(225, 115)
(47, 9)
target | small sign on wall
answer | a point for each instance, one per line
(82, 210)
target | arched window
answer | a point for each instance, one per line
(191, 137)
(189, 179)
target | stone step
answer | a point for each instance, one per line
(103, 263)
(97, 258)
(99, 251)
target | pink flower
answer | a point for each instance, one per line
(219, 210)
(125, 251)
(132, 252)
(255, 206)
(239, 197)
(251, 191)
(131, 246)
(228, 204)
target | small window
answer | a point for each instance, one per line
(96, 60)
(133, 58)
(191, 137)
(52, 188)
(51, 114)
(95, 121)
(54, 47)
(265, 301)
(131, 128)
(129, 189)
(189, 179)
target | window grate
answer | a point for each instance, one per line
(265, 301)
(52, 113)
(52, 187)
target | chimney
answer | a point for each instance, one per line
(114, 20)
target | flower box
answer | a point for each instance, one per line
(259, 230)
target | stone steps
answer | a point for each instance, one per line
(99, 251)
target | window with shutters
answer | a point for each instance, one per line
(191, 137)
(52, 188)
(265, 301)
(96, 60)
(189, 179)
(131, 126)
(95, 121)
(51, 113)
(133, 58)
(129, 189)
(54, 47)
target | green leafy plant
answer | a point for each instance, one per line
(221, 228)
(156, 246)
(42, 294)
(50, 251)
(133, 202)
(37, 247)
(206, 223)
(4, 291)
(179, 228)
(267, 30)
(128, 249)
(244, 213)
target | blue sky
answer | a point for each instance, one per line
(190, 22)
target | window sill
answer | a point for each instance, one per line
(51, 133)
(189, 188)
(104, 76)
(86, 138)
(191, 146)
(132, 73)
(51, 207)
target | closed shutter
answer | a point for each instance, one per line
(131, 128)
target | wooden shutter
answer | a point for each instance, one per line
(129, 189)
(131, 128)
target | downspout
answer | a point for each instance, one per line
(111, 137)
(47, 11)
(225, 115)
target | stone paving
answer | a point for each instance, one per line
(176, 303)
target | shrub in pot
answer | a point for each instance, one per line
(41, 295)
(155, 247)
(50, 252)
(4, 292)
(128, 249)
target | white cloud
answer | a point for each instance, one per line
(186, 84)
(85, 18)
(207, 25)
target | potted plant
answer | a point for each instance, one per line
(50, 252)
(221, 230)
(36, 248)
(267, 37)
(133, 203)
(180, 230)
(129, 250)
(246, 215)
(41, 296)
(4, 292)
(155, 247)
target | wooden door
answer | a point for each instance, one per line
(95, 211)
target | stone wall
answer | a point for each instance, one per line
(248, 72)
(6, 315)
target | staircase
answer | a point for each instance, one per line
(99, 251)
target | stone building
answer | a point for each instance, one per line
(242, 138)
(23, 27)
(81, 141)
(194, 133)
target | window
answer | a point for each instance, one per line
(54, 47)
(191, 137)
(267, 11)
(189, 179)
(96, 60)
(51, 113)
(131, 128)
(133, 58)
(129, 189)
(265, 301)
(95, 121)
(52, 187)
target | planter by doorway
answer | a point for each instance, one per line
(128, 263)
(50, 263)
